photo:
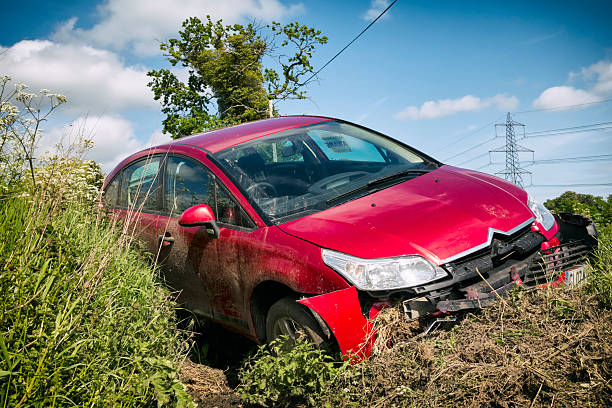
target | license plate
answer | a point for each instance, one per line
(575, 276)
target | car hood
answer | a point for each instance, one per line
(441, 215)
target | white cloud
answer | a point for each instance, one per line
(447, 107)
(601, 73)
(141, 24)
(597, 77)
(376, 7)
(93, 80)
(112, 135)
(559, 96)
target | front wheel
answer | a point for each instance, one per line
(287, 317)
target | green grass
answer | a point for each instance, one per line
(600, 277)
(83, 321)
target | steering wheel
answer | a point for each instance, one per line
(262, 189)
(337, 180)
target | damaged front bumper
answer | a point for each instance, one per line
(476, 281)
(552, 264)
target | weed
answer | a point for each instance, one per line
(82, 320)
(288, 376)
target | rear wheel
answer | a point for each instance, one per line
(287, 317)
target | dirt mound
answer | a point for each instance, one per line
(539, 349)
(207, 386)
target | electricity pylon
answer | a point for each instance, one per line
(513, 171)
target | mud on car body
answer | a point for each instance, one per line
(312, 224)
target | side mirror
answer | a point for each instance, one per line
(200, 216)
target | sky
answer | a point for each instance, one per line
(436, 75)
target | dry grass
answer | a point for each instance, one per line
(540, 349)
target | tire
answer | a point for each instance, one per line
(295, 320)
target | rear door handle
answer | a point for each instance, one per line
(166, 240)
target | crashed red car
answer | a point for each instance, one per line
(315, 224)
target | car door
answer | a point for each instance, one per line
(235, 258)
(207, 272)
(134, 197)
(186, 253)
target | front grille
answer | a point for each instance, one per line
(503, 248)
(553, 261)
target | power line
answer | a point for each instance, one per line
(486, 165)
(570, 132)
(473, 158)
(575, 159)
(570, 185)
(601, 157)
(351, 42)
(568, 128)
(564, 107)
(539, 133)
(469, 149)
(470, 134)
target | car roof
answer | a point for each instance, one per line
(219, 139)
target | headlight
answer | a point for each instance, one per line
(543, 216)
(384, 273)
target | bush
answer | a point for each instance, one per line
(282, 376)
(82, 320)
(73, 179)
(594, 207)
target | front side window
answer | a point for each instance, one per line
(308, 169)
(229, 212)
(140, 185)
(188, 183)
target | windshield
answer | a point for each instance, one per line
(308, 169)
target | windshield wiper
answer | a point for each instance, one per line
(373, 183)
(397, 175)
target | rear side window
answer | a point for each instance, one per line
(280, 151)
(109, 197)
(140, 185)
(187, 184)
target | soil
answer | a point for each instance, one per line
(211, 372)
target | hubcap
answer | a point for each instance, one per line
(289, 327)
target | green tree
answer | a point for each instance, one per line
(594, 207)
(227, 82)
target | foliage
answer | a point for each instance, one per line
(21, 116)
(594, 207)
(73, 179)
(224, 63)
(284, 376)
(600, 274)
(82, 320)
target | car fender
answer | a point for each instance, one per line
(341, 311)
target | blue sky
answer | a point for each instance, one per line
(436, 75)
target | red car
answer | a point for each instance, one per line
(315, 224)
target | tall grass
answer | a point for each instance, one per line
(82, 320)
(600, 275)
